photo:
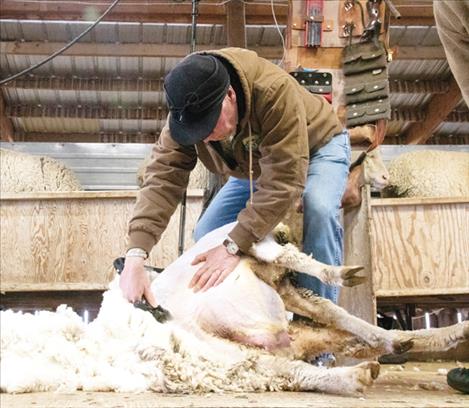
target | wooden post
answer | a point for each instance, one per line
(236, 24)
(360, 300)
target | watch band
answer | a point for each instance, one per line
(136, 253)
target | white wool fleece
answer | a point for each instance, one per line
(124, 349)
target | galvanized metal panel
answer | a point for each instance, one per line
(414, 36)
(451, 128)
(113, 125)
(153, 33)
(431, 37)
(75, 28)
(105, 33)
(56, 125)
(422, 69)
(10, 30)
(33, 29)
(403, 101)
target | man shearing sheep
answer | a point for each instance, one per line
(242, 115)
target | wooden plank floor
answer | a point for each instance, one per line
(411, 385)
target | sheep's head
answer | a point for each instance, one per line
(375, 171)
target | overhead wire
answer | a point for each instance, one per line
(280, 33)
(63, 49)
(108, 10)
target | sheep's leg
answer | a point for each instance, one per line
(308, 342)
(292, 258)
(440, 339)
(305, 377)
(305, 303)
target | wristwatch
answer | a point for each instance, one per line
(231, 247)
(136, 253)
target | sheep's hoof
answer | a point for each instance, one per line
(374, 367)
(370, 372)
(400, 347)
(349, 278)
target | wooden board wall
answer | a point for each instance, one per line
(68, 241)
(420, 247)
(410, 248)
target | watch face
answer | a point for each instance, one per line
(232, 248)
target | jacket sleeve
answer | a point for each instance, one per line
(166, 179)
(284, 161)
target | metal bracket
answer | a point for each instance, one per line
(314, 20)
(347, 29)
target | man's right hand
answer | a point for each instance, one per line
(135, 283)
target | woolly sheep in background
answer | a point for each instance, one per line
(21, 172)
(429, 173)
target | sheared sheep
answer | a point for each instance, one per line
(21, 172)
(233, 337)
(429, 173)
(217, 311)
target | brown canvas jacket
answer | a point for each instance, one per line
(285, 123)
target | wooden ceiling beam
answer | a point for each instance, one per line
(414, 8)
(419, 53)
(154, 11)
(413, 13)
(6, 127)
(438, 109)
(412, 21)
(119, 50)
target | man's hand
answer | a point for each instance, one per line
(134, 281)
(218, 264)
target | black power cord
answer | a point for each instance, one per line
(66, 47)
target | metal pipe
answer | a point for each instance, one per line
(195, 13)
(182, 217)
(392, 8)
(63, 49)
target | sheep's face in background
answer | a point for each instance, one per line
(375, 171)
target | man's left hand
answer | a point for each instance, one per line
(218, 264)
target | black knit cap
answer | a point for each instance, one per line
(195, 89)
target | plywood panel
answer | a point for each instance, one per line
(420, 249)
(49, 242)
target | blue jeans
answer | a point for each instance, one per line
(322, 231)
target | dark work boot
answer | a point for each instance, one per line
(458, 378)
